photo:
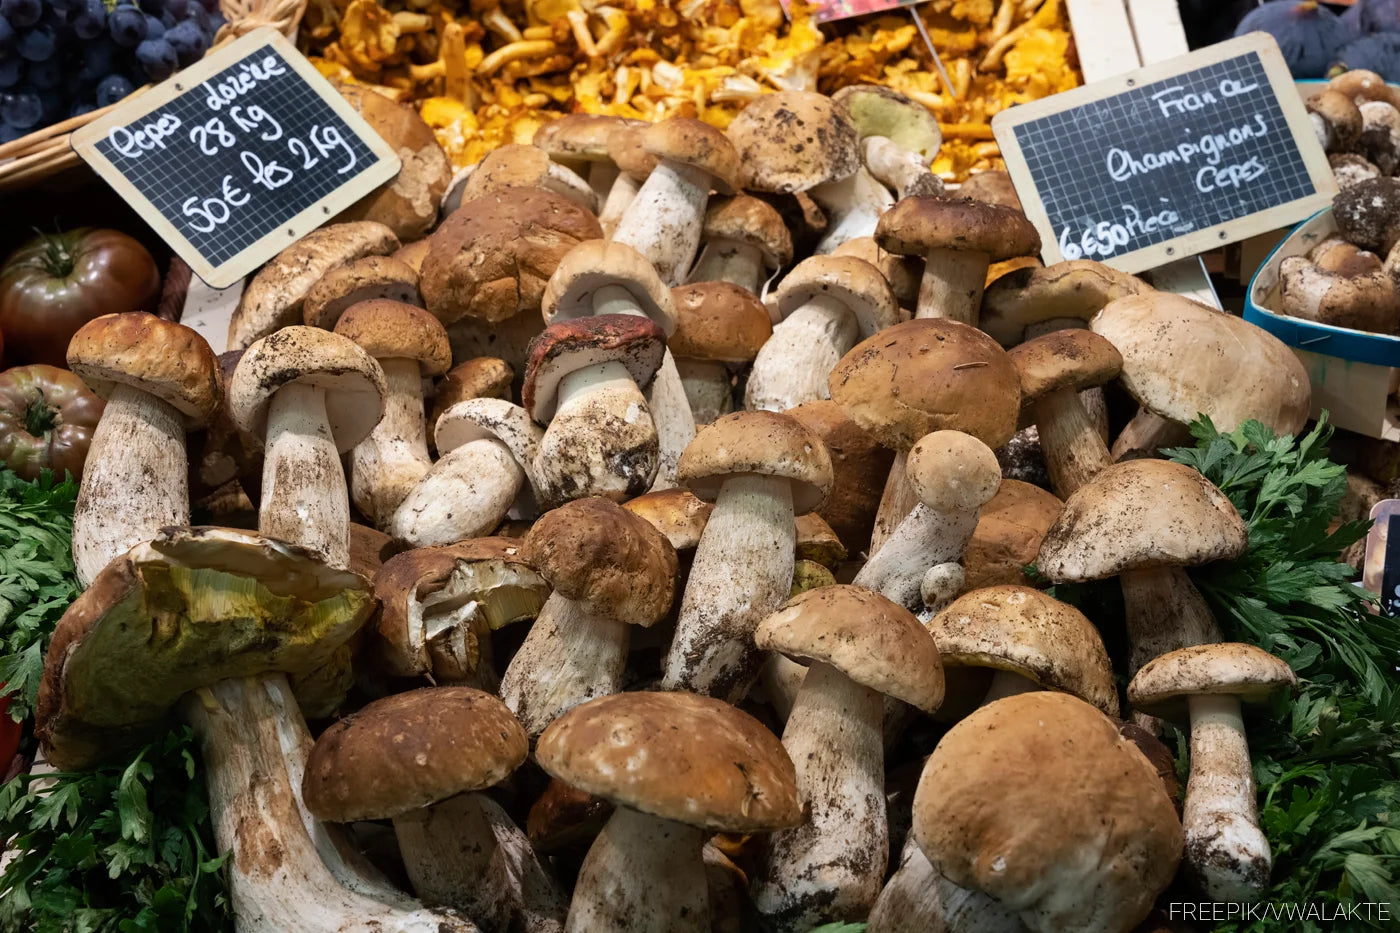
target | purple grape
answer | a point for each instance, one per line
(37, 43)
(112, 89)
(7, 32)
(81, 108)
(210, 6)
(21, 108)
(199, 17)
(151, 6)
(52, 104)
(127, 26)
(11, 70)
(187, 41)
(157, 58)
(9, 134)
(178, 8)
(22, 13)
(154, 28)
(91, 21)
(45, 74)
(97, 58)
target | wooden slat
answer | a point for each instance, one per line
(1103, 36)
(1157, 29)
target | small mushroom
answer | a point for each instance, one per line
(1077, 289)
(1380, 135)
(579, 141)
(677, 513)
(859, 467)
(1368, 213)
(1362, 85)
(901, 272)
(1009, 530)
(992, 187)
(1367, 301)
(364, 279)
(1336, 119)
(413, 254)
(745, 241)
(478, 377)
(518, 166)
(634, 164)
(720, 328)
(1225, 848)
(1335, 254)
(1348, 169)
(899, 137)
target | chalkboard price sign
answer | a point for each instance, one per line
(239, 155)
(1169, 160)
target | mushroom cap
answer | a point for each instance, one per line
(478, 377)
(749, 220)
(794, 140)
(873, 641)
(763, 443)
(876, 110)
(853, 282)
(901, 272)
(610, 561)
(859, 466)
(1163, 685)
(162, 358)
(1362, 85)
(1064, 359)
(1139, 514)
(951, 471)
(1181, 358)
(1022, 630)
(625, 149)
(718, 321)
(352, 380)
(570, 345)
(489, 419)
(816, 542)
(1009, 530)
(362, 279)
(677, 756)
(695, 143)
(929, 375)
(1368, 301)
(1341, 114)
(1038, 801)
(677, 513)
(413, 254)
(491, 258)
(411, 750)
(1335, 254)
(1368, 213)
(916, 226)
(187, 609)
(394, 330)
(515, 165)
(595, 264)
(1075, 288)
(581, 137)
(1350, 168)
(991, 187)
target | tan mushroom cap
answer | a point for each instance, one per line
(695, 143)
(1340, 112)
(1009, 530)
(1181, 358)
(929, 375)
(595, 264)
(718, 321)
(817, 542)
(859, 467)
(613, 563)
(515, 165)
(625, 149)
(1064, 359)
(353, 382)
(991, 187)
(411, 750)
(413, 254)
(491, 258)
(362, 279)
(581, 137)
(1138, 514)
(162, 358)
(1078, 288)
(677, 513)
(952, 472)
(1021, 630)
(877, 110)
(855, 283)
(1164, 685)
(478, 377)
(677, 756)
(1039, 802)
(915, 226)
(763, 443)
(902, 272)
(865, 636)
(794, 140)
(394, 330)
(565, 346)
(749, 220)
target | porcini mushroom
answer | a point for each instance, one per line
(745, 241)
(720, 327)
(1349, 169)
(518, 166)
(899, 137)
(1368, 213)
(610, 570)
(902, 272)
(1010, 527)
(580, 141)
(363, 279)
(1225, 848)
(159, 379)
(859, 465)
(993, 187)
(1336, 120)
(634, 164)
(645, 873)
(478, 377)
(1073, 290)
(1380, 135)
(1365, 301)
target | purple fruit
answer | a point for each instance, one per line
(1309, 35)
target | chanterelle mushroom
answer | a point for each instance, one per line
(858, 647)
(719, 328)
(159, 379)
(679, 767)
(745, 242)
(1225, 848)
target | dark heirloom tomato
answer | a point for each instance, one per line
(56, 283)
(47, 416)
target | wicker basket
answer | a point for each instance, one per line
(47, 152)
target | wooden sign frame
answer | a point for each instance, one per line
(385, 166)
(1290, 103)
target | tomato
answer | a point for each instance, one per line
(47, 416)
(56, 283)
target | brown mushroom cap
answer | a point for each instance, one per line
(859, 466)
(794, 140)
(1368, 301)
(865, 636)
(749, 220)
(162, 358)
(625, 149)
(1038, 801)
(595, 264)
(765, 443)
(514, 165)
(1141, 513)
(991, 187)
(677, 756)
(695, 143)
(1164, 684)
(363, 279)
(1368, 213)
(1064, 359)
(1362, 85)
(581, 137)
(718, 321)
(491, 258)
(1076, 288)
(613, 563)
(567, 346)
(394, 330)
(876, 110)
(901, 272)
(1335, 254)
(916, 226)
(1350, 168)
(1342, 116)
(951, 471)
(1009, 530)
(411, 750)
(929, 375)
(855, 283)
(413, 254)
(677, 513)
(1021, 630)
(816, 542)
(478, 377)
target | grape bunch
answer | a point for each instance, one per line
(63, 58)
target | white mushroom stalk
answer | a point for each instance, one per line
(793, 366)
(620, 196)
(917, 897)
(1146, 433)
(1163, 612)
(899, 168)
(1074, 450)
(635, 845)
(304, 496)
(665, 218)
(733, 261)
(707, 388)
(853, 206)
(385, 466)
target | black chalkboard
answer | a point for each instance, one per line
(1169, 160)
(1390, 576)
(239, 155)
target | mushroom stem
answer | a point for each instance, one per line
(570, 655)
(1164, 612)
(925, 537)
(896, 502)
(1006, 684)
(899, 168)
(643, 874)
(793, 365)
(1224, 844)
(781, 678)
(602, 440)
(830, 867)
(601, 178)
(707, 389)
(620, 197)
(952, 285)
(730, 261)
(1074, 450)
(853, 206)
(135, 481)
(665, 219)
(304, 499)
(917, 897)
(385, 466)
(1145, 433)
(742, 571)
(466, 494)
